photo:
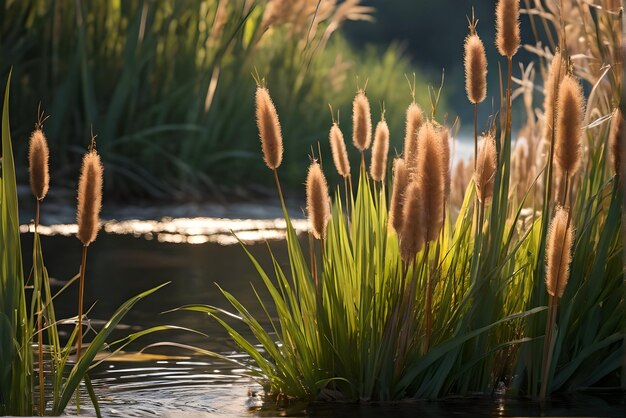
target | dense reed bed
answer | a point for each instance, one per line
(518, 287)
(39, 370)
(174, 128)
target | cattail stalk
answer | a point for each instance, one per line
(400, 183)
(551, 94)
(430, 175)
(317, 201)
(568, 129)
(414, 120)
(269, 128)
(88, 219)
(486, 164)
(380, 150)
(38, 156)
(413, 233)
(338, 150)
(507, 27)
(617, 123)
(475, 60)
(558, 258)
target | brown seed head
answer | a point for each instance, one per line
(617, 123)
(38, 155)
(507, 27)
(380, 149)
(414, 118)
(558, 253)
(361, 121)
(486, 163)
(556, 73)
(444, 137)
(317, 200)
(414, 225)
(475, 69)
(400, 183)
(269, 128)
(430, 176)
(569, 120)
(338, 149)
(89, 198)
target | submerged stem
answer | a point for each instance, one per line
(79, 341)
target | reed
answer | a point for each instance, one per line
(486, 165)
(380, 151)
(317, 200)
(475, 61)
(269, 129)
(338, 150)
(507, 27)
(400, 183)
(444, 138)
(555, 75)
(414, 225)
(617, 124)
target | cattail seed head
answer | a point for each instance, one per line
(475, 69)
(444, 138)
(556, 73)
(430, 176)
(317, 200)
(558, 253)
(269, 128)
(486, 164)
(89, 198)
(568, 130)
(38, 156)
(507, 27)
(400, 183)
(361, 121)
(414, 118)
(380, 149)
(338, 149)
(617, 124)
(414, 224)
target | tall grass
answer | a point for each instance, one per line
(167, 84)
(27, 329)
(386, 310)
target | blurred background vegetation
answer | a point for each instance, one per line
(167, 85)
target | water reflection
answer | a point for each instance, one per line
(198, 230)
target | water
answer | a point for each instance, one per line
(175, 382)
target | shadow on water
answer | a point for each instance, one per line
(182, 384)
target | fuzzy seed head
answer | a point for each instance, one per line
(444, 138)
(556, 73)
(317, 200)
(380, 149)
(414, 118)
(431, 180)
(414, 225)
(338, 149)
(269, 128)
(400, 183)
(486, 164)
(38, 156)
(361, 122)
(507, 27)
(558, 253)
(89, 198)
(569, 125)
(617, 124)
(475, 69)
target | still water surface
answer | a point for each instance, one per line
(121, 265)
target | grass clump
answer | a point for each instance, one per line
(30, 382)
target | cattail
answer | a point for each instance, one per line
(551, 93)
(558, 253)
(400, 183)
(338, 148)
(414, 117)
(507, 27)
(568, 130)
(380, 149)
(361, 121)
(475, 69)
(269, 128)
(617, 123)
(38, 155)
(430, 169)
(459, 183)
(414, 225)
(89, 198)
(444, 138)
(317, 200)
(486, 163)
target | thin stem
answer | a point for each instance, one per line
(363, 160)
(509, 97)
(39, 320)
(547, 347)
(81, 291)
(280, 190)
(475, 134)
(429, 319)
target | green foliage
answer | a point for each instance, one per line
(18, 332)
(167, 85)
